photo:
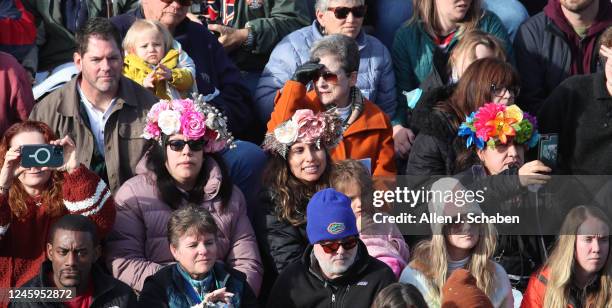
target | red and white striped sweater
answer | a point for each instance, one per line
(22, 243)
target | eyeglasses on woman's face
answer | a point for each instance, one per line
(500, 91)
(194, 145)
(341, 12)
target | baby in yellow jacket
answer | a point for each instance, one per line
(157, 62)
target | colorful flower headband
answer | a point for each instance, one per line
(495, 123)
(192, 118)
(307, 127)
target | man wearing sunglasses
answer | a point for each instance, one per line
(336, 269)
(375, 78)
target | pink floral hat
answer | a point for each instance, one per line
(323, 128)
(194, 119)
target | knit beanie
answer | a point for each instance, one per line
(460, 291)
(329, 217)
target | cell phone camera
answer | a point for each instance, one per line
(42, 155)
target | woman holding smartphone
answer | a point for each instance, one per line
(31, 199)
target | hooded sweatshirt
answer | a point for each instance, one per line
(582, 48)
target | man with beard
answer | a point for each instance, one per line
(336, 269)
(102, 111)
(558, 43)
(72, 249)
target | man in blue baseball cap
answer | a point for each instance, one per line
(336, 268)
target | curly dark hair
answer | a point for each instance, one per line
(291, 195)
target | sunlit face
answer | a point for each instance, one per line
(465, 59)
(592, 245)
(334, 92)
(463, 237)
(72, 254)
(169, 14)
(502, 157)
(149, 46)
(306, 161)
(184, 165)
(576, 6)
(336, 263)
(352, 190)
(349, 26)
(452, 11)
(101, 66)
(32, 177)
(195, 252)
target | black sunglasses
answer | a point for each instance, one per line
(499, 91)
(181, 2)
(341, 12)
(194, 145)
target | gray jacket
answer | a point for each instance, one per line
(375, 80)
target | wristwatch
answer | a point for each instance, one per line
(249, 43)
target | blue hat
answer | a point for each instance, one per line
(329, 217)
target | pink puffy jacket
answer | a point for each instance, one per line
(138, 247)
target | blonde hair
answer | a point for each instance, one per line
(562, 260)
(467, 46)
(141, 25)
(352, 170)
(425, 13)
(431, 258)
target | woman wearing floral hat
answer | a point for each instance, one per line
(496, 138)
(299, 165)
(181, 168)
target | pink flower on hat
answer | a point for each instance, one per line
(310, 129)
(193, 124)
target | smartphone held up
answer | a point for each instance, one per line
(41, 155)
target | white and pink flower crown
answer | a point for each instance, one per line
(194, 119)
(323, 128)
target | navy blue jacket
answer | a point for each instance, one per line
(214, 69)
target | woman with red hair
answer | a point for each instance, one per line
(31, 199)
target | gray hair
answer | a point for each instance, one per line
(342, 46)
(322, 5)
(187, 217)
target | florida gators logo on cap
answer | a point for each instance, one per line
(335, 228)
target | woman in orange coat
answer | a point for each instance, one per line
(333, 70)
(582, 263)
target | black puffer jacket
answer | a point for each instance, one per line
(108, 291)
(302, 284)
(280, 243)
(433, 151)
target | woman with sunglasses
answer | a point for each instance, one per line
(182, 167)
(426, 41)
(437, 120)
(375, 76)
(333, 70)
(466, 245)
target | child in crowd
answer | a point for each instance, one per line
(157, 62)
(384, 241)
(399, 295)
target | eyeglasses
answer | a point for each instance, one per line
(332, 247)
(194, 145)
(329, 77)
(501, 91)
(341, 12)
(181, 2)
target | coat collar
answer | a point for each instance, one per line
(69, 98)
